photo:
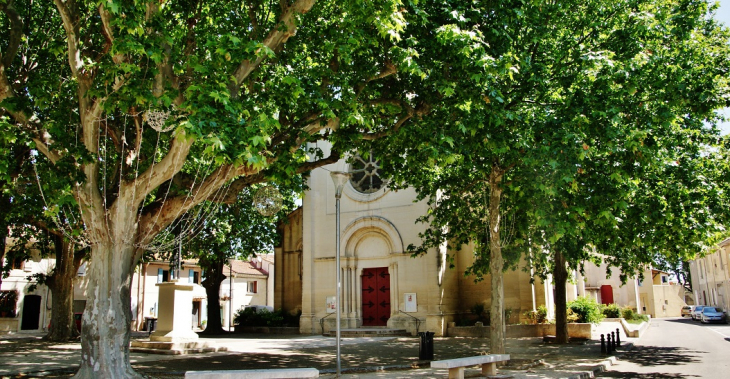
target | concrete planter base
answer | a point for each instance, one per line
(267, 329)
(9, 325)
(519, 331)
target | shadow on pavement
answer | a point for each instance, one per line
(653, 375)
(662, 356)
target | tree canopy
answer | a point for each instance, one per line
(235, 231)
(579, 124)
(154, 107)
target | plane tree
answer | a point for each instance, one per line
(27, 182)
(235, 231)
(550, 113)
(132, 97)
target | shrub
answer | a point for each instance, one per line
(572, 316)
(481, 313)
(611, 310)
(542, 314)
(630, 315)
(538, 316)
(507, 315)
(586, 309)
(250, 317)
(477, 309)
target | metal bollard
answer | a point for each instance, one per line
(613, 341)
(618, 338)
(608, 344)
(603, 344)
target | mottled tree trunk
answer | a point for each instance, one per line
(213, 278)
(496, 265)
(60, 282)
(4, 211)
(105, 329)
(560, 278)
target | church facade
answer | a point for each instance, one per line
(383, 286)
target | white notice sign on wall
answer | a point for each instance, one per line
(410, 302)
(331, 304)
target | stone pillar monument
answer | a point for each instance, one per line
(175, 307)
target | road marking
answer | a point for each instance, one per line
(717, 330)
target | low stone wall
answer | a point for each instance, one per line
(575, 330)
(519, 331)
(266, 329)
(9, 325)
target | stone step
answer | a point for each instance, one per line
(368, 332)
(174, 348)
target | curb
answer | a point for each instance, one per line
(604, 364)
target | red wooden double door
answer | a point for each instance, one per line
(375, 296)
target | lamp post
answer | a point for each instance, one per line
(230, 293)
(340, 179)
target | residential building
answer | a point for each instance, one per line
(23, 309)
(31, 309)
(710, 277)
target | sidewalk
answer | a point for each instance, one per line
(383, 357)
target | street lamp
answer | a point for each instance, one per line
(230, 292)
(340, 179)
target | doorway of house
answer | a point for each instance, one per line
(375, 296)
(196, 314)
(31, 312)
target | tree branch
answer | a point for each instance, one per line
(161, 172)
(406, 115)
(285, 28)
(15, 35)
(69, 16)
(42, 139)
(243, 182)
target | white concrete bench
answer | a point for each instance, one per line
(278, 373)
(456, 366)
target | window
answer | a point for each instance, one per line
(193, 277)
(366, 175)
(252, 287)
(8, 301)
(163, 276)
(17, 263)
(665, 279)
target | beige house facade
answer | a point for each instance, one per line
(251, 286)
(711, 277)
(23, 310)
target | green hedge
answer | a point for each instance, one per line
(586, 309)
(277, 318)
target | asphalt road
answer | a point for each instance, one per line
(677, 348)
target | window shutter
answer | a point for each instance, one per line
(159, 275)
(191, 276)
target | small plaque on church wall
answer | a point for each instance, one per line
(410, 302)
(331, 304)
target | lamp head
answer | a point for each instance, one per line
(340, 178)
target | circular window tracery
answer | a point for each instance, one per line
(366, 175)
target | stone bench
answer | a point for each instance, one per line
(456, 366)
(278, 373)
